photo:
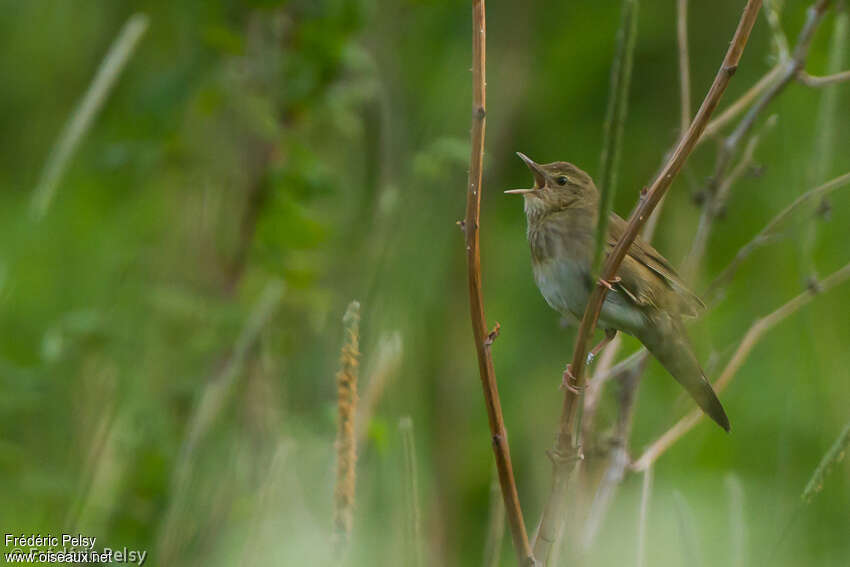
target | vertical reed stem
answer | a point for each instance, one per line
(483, 338)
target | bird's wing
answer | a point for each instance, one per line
(643, 268)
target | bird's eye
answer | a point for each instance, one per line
(562, 180)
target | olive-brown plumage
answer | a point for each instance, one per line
(647, 299)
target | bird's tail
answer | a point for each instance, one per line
(669, 343)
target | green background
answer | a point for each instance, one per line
(324, 145)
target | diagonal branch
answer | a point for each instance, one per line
(565, 451)
(483, 338)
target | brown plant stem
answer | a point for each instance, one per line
(565, 452)
(751, 338)
(483, 338)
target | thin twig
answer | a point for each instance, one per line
(81, 120)
(823, 81)
(565, 451)
(769, 232)
(751, 338)
(483, 339)
(684, 63)
(413, 522)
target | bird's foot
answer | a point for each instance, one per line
(609, 283)
(609, 336)
(568, 381)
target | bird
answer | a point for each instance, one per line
(647, 299)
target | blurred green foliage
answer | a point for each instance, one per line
(325, 143)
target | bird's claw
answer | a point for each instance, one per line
(568, 381)
(609, 283)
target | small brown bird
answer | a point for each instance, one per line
(647, 299)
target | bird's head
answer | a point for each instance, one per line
(558, 185)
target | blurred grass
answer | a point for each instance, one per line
(349, 119)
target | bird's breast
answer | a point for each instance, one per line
(560, 256)
(563, 282)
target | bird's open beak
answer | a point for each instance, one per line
(539, 176)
